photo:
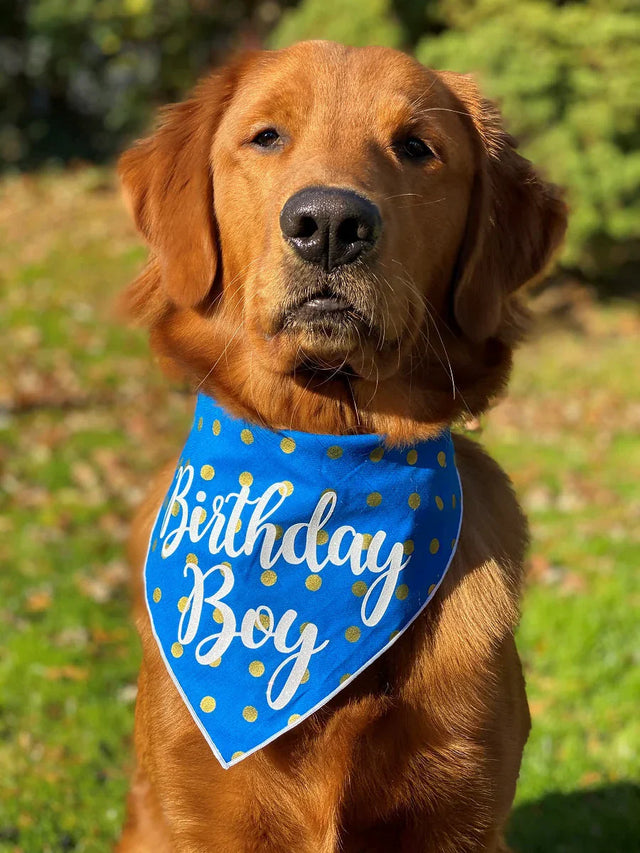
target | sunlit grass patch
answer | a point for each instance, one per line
(85, 419)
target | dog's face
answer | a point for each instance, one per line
(341, 187)
(336, 233)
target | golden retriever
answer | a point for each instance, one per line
(399, 325)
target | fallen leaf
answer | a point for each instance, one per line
(38, 601)
(68, 673)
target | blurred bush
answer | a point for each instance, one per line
(347, 21)
(567, 77)
(77, 77)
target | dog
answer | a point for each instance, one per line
(336, 237)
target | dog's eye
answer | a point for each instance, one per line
(267, 138)
(413, 148)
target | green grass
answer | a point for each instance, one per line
(85, 419)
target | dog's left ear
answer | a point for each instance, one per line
(168, 183)
(516, 220)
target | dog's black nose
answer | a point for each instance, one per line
(328, 226)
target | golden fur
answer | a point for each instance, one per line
(421, 754)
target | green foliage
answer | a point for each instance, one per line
(567, 79)
(76, 76)
(356, 24)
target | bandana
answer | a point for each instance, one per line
(281, 564)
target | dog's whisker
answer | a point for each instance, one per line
(423, 300)
(222, 355)
(354, 401)
(402, 195)
(423, 203)
(446, 110)
(226, 300)
(300, 399)
(448, 367)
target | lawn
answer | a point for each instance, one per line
(85, 418)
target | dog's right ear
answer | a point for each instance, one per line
(168, 184)
(516, 219)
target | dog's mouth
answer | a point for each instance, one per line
(328, 325)
(323, 314)
(321, 329)
(321, 305)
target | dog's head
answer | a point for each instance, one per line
(336, 236)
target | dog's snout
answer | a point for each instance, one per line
(328, 226)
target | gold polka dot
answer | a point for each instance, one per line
(157, 594)
(237, 754)
(453, 501)
(408, 547)
(247, 436)
(293, 718)
(334, 452)
(359, 588)
(374, 499)
(264, 620)
(245, 479)
(305, 677)
(215, 427)
(217, 616)
(287, 445)
(216, 662)
(344, 677)
(191, 558)
(207, 704)
(202, 516)
(176, 650)
(393, 635)
(182, 604)
(442, 459)
(286, 488)
(200, 422)
(238, 525)
(207, 472)
(412, 457)
(352, 634)
(402, 592)
(175, 509)
(313, 583)
(414, 500)
(431, 589)
(303, 626)
(279, 531)
(434, 547)
(268, 578)
(256, 668)
(155, 545)
(366, 541)
(250, 714)
(322, 538)
(439, 502)
(377, 454)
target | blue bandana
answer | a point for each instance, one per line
(281, 564)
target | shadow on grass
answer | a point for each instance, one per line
(599, 820)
